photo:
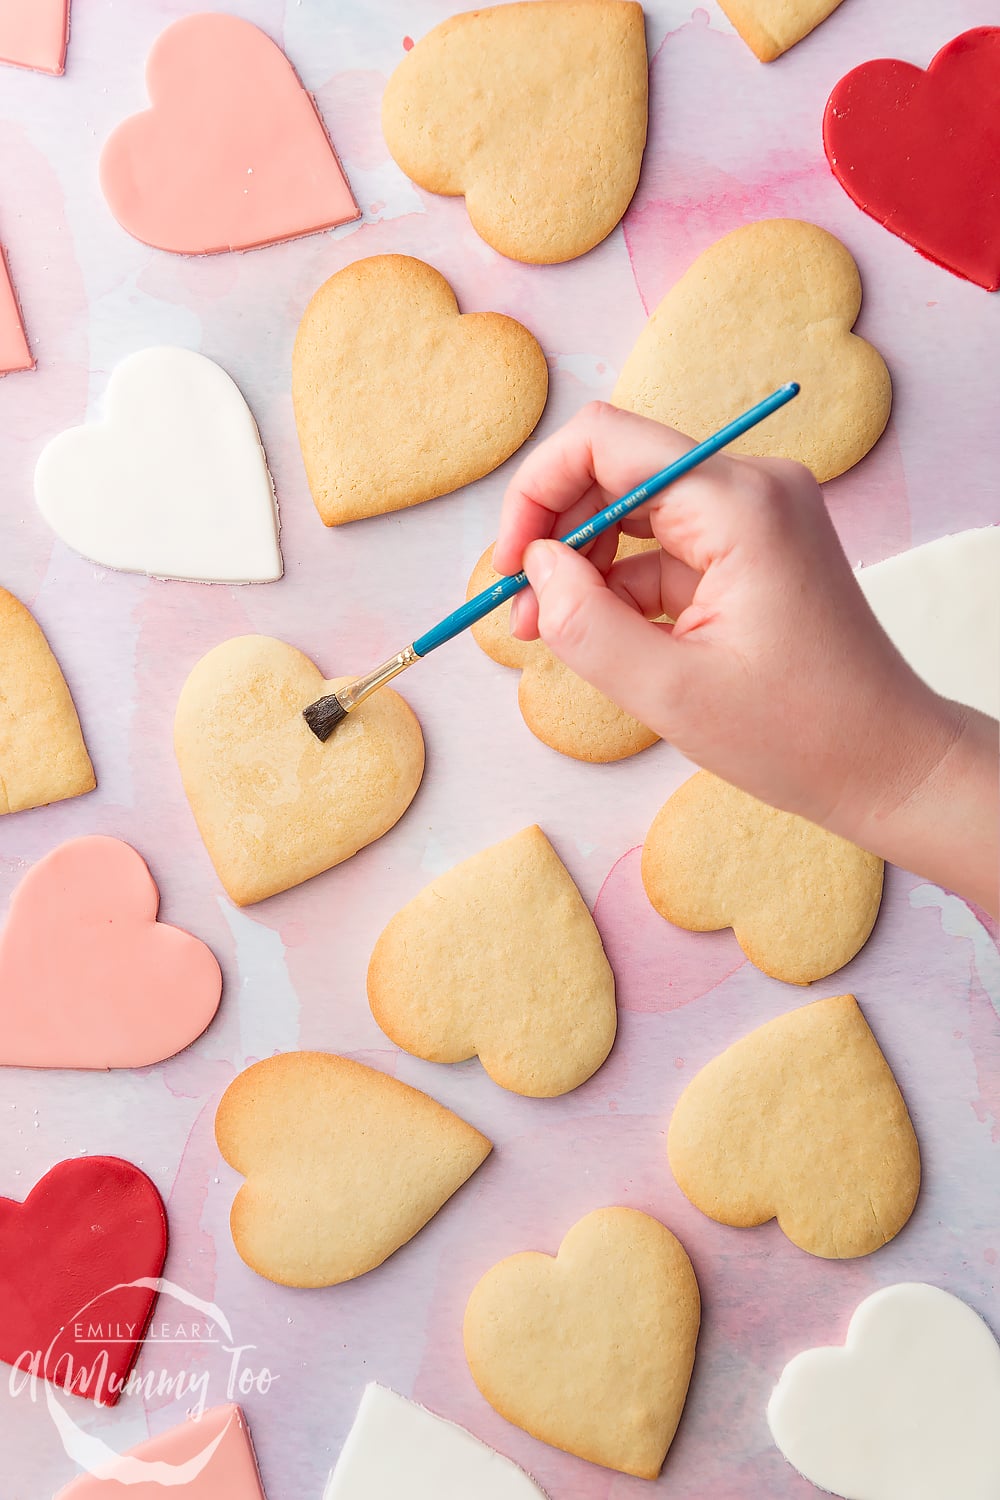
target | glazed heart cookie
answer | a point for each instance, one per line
(558, 707)
(230, 155)
(42, 755)
(591, 1350)
(771, 302)
(273, 805)
(383, 349)
(918, 151)
(535, 112)
(343, 1165)
(499, 958)
(172, 482)
(204, 1458)
(88, 977)
(801, 1121)
(770, 27)
(905, 1410)
(800, 901)
(80, 1260)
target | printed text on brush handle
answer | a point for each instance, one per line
(505, 588)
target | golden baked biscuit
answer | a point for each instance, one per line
(274, 805)
(499, 958)
(801, 1121)
(592, 1349)
(559, 708)
(343, 1165)
(42, 754)
(770, 27)
(536, 112)
(771, 302)
(801, 901)
(398, 397)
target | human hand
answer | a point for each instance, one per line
(776, 674)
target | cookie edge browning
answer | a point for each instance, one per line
(502, 329)
(224, 1132)
(691, 1290)
(849, 1005)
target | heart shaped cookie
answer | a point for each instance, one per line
(918, 151)
(560, 709)
(231, 154)
(803, 1122)
(535, 112)
(273, 805)
(172, 482)
(35, 35)
(771, 302)
(800, 901)
(14, 351)
(88, 977)
(591, 1350)
(73, 1256)
(500, 959)
(343, 1165)
(770, 27)
(382, 348)
(206, 1457)
(905, 1410)
(42, 755)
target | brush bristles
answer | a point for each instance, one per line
(324, 715)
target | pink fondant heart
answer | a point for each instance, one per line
(88, 977)
(14, 351)
(231, 155)
(33, 34)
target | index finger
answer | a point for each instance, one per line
(600, 454)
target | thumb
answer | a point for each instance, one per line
(611, 645)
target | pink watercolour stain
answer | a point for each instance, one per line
(658, 967)
(407, 44)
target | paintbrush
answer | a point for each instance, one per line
(326, 713)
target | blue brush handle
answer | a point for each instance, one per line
(505, 588)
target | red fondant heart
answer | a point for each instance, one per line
(88, 977)
(69, 1257)
(920, 151)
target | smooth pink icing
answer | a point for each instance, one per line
(88, 977)
(232, 153)
(33, 34)
(14, 351)
(230, 1474)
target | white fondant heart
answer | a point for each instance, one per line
(939, 604)
(398, 1448)
(908, 1409)
(172, 481)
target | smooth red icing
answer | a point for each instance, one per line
(14, 351)
(232, 153)
(88, 977)
(229, 1474)
(920, 151)
(33, 34)
(87, 1227)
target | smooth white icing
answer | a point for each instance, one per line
(908, 1409)
(172, 481)
(940, 604)
(397, 1448)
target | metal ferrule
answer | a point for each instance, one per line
(361, 688)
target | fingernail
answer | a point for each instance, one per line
(539, 563)
(515, 610)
